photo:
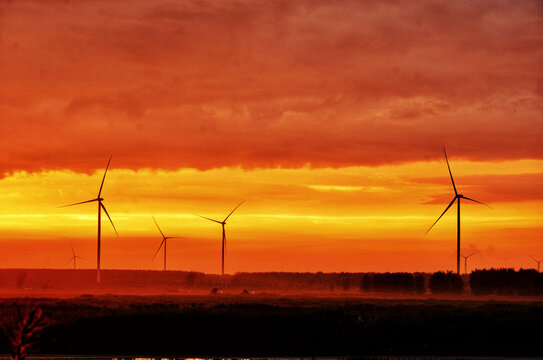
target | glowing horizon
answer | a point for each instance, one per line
(285, 214)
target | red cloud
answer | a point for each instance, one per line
(260, 84)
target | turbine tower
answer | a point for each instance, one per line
(101, 207)
(74, 258)
(164, 242)
(537, 261)
(466, 257)
(223, 223)
(457, 198)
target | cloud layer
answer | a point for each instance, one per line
(264, 84)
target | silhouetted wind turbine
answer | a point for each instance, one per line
(74, 258)
(100, 208)
(164, 242)
(456, 198)
(537, 261)
(223, 233)
(466, 257)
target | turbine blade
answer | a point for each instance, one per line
(233, 210)
(82, 202)
(203, 217)
(82, 258)
(443, 213)
(69, 261)
(104, 178)
(478, 251)
(450, 173)
(161, 233)
(533, 258)
(159, 248)
(109, 217)
(467, 198)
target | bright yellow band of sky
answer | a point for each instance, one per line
(305, 219)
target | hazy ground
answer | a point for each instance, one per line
(226, 294)
(56, 283)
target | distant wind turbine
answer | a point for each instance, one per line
(537, 261)
(223, 233)
(100, 208)
(457, 197)
(74, 258)
(164, 242)
(466, 257)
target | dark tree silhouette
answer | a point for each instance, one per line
(23, 328)
(443, 283)
(366, 284)
(419, 284)
(506, 282)
(389, 282)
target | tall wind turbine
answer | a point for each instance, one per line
(466, 257)
(457, 198)
(223, 233)
(164, 242)
(74, 258)
(101, 207)
(537, 261)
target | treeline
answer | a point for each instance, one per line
(418, 283)
(296, 280)
(394, 282)
(479, 282)
(506, 282)
(86, 278)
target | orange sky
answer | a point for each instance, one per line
(328, 119)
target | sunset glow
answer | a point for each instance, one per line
(329, 121)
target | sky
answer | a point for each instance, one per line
(327, 118)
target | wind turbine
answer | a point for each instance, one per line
(466, 257)
(537, 261)
(74, 258)
(100, 208)
(457, 198)
(164, 242)
(223, 232)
